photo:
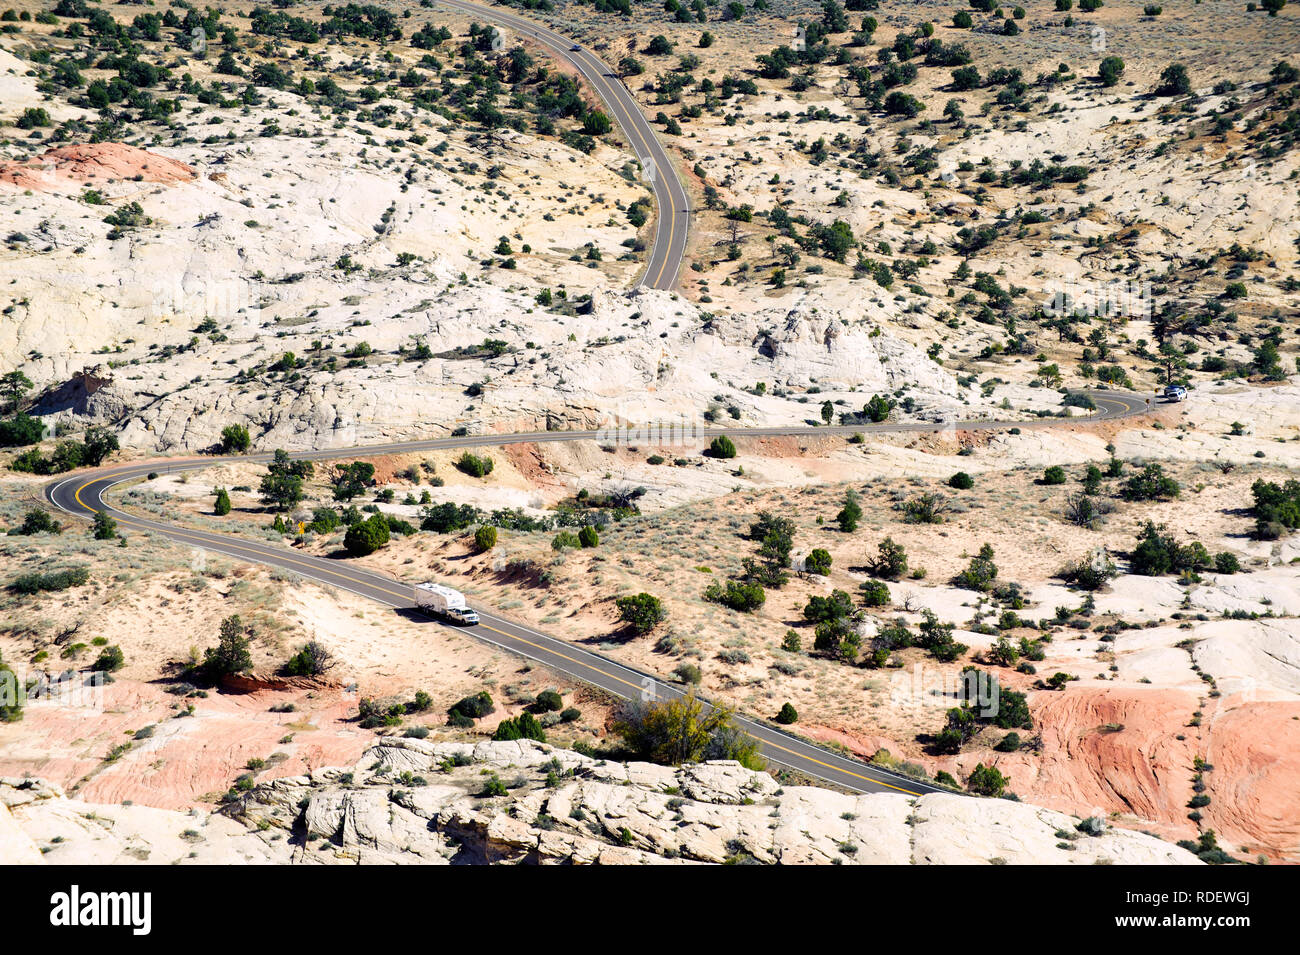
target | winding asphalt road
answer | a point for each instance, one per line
(674, 203)
(82, 495)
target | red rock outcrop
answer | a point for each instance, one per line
(93, 163)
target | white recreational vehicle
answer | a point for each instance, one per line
(445, 603)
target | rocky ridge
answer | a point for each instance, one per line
(412, 801)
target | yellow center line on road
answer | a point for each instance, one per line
(246, 550)
(838, 769)
(253, 554)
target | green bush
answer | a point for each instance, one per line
(367, 536)
(850, 513)
(110, 660)
(235, 439)
(1110, 70)
(565, 539)
(523, 726)
(1150, 484)
(588, 536)
(787, 715)
(987, 781)
(1226, 563)
(818, 562)
(312, 659)
(875, 593)
(744, 596)
(1276, 508)
(36, 521)
(1090, 573)
(1174, 81)
(961, 481)
(221, 506)
(548, 701)
(475, 466)
(103, 527)
(722, 447)
(473, 707)
(1158, 552)
(642, 612)
(980, 573)
(1054, 475)
(891, 560)
(20, 430)
(231, 654)
(57, 580)
(485, 538)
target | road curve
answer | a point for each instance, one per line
(82, 495)
(673, 221)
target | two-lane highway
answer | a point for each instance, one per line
(673, 221)
(83, 495)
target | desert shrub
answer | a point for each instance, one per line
(688, 673)
(738, 595)
(366, 537)
(1009, 743)
(926, 509)
(850, 513)
(986, 781)
(103, 527)
(980, 573)
(523, 726)
(235, 439)
(312, 659)
(818, 562)
(1226, 563)
(36, 521)
(891, 560)
(1150, 484)
(588, 536)
(1158, 552)
(448, 518)
(683, 730)
(485, 538)
(787, 715)
(20, 430)
(53, 581)
(819, 609)
(936, 638)
(1054, 475)
(875, 593)
(1174, 81)
(474, 465)
(1276, 508)
(548, 701)
(473, 707)
(642, 612)
(565, 539)
(722, 447)
(961, 481)
(1084, 511)
(1110, 70)
(1090, 573)
(110, 660)
(231, 654)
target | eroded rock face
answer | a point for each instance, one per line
(411, 801)
(69, 167)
